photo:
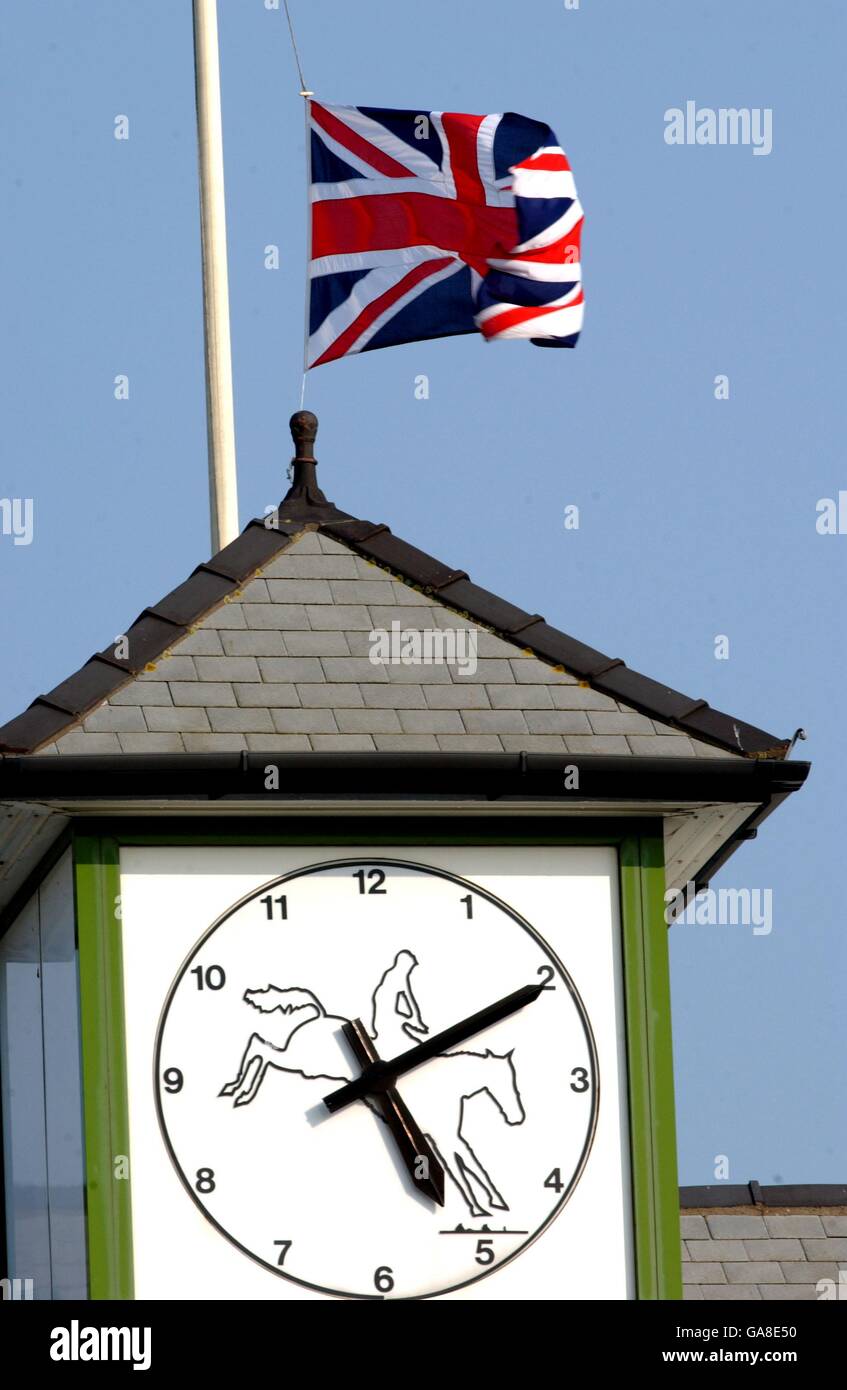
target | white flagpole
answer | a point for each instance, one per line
(220, 415)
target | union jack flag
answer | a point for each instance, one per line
(428, 224)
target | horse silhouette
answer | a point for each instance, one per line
(300, 1037)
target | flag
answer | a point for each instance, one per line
(429, 224)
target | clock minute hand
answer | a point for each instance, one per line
(379, 1075)
(410, 1139)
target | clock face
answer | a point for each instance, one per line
(252, 1039)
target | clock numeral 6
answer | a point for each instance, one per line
(484, 1252)
(384, 1279)
(378, 879)
(285, 1247)
(205, 1180)
(213, 977)
(173, 1080)
(581, 1084)
(268, 904)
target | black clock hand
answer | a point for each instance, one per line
(428, 1177)
(379, 1075)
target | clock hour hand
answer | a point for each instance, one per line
(379, 1075)
(416, 1151)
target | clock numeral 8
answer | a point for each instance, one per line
(384, 1279)
(205, 1180)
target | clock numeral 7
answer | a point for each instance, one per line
(378, 879)
(282, 901)
(285, 1247)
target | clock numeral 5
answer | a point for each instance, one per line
(213, 977)
(384, 1279)
(282, 901)
(378, 879)
(484, 1251)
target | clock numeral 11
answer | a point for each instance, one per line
(282, 903)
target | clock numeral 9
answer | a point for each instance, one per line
(484, 1252)
(581, 1084)
(269, 906)
(213, 977)
(205, 1180)
(384, 1279)
(173, 1080)
(378, 879)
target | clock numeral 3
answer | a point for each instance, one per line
(484, 1252)
(384, 1279)
(581, 1084)
(172, 1080)
(378, 879)
(213, 977)
(205, 1180)
(282, 901)
(285, 1247)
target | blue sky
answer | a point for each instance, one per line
(697, 516)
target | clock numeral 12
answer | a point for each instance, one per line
(377, 875)
(269, 906)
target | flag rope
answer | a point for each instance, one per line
(305, 93)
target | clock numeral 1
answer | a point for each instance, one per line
(554, 1180)
(285, 1247)
(484, 1252)
(581, 1084)
(384, 1279)
(468, 901)
(378, 879)
(213, 977)
(205, 1180)
(269, 906)
(173, 1080)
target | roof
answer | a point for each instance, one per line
(266, 647)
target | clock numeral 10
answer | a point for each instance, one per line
(378, 879)
(212, 977)
(281, 901)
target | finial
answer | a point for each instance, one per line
(304, 491)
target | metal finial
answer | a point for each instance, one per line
(304, 428)
(304, 491)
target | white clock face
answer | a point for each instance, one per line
(250, 1042)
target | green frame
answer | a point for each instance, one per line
(646, 977)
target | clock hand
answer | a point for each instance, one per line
(379, 1075)
(411, 1141)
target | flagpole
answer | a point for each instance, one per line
(220, 414)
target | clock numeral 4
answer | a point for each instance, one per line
(173, 1080)
(384, 1279)
(282, 904)
(554, 1180)
(205, 1180)
(376, 875)
(212, 977)
(285, 1247)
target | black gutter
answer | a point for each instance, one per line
(366, 776)
(751, 1194)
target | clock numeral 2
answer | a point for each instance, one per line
(269, 906)
(205, 1180)
(377, 875)
(384, 1279)
(286, 1246)
(213, 977)
(548, 973)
